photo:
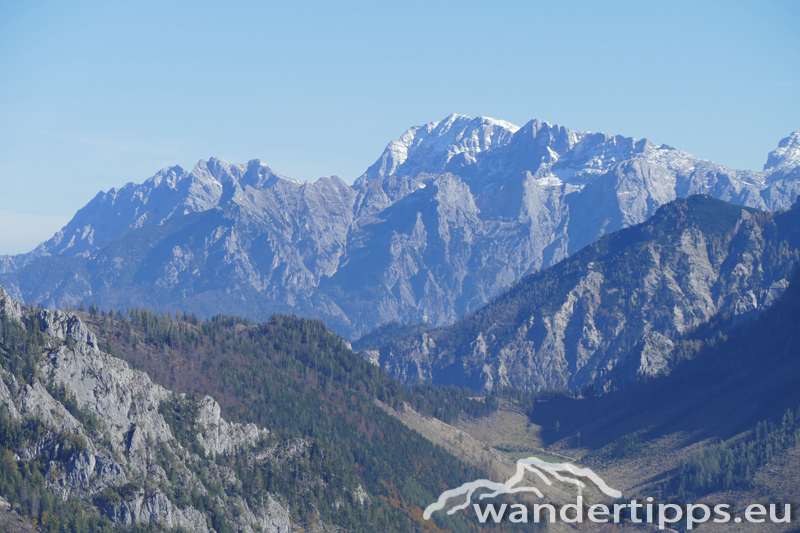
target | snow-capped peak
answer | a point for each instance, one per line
(432, 146)
(786, 155)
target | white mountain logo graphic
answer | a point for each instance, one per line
(547, 472)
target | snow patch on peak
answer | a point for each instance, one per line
(786, 155)
(255, 173)
(497, 123)
(454, 117)
(431, 147)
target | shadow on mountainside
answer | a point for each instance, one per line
(740, 378)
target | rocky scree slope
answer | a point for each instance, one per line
(609, 313)
(92, 431)
(448, 217)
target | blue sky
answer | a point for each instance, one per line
(97, 94)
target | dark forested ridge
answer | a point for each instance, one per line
(299, 380)
(182, 348)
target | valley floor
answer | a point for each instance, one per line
(495, 442)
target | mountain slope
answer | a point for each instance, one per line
(450, 216)
(722, 426)
(125, 451)
(89, 442)
(609, 312)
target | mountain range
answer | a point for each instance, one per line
(622, 305)
(612, 312)
(450, 215)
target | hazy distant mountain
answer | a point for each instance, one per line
(111, 215)
(449, 216)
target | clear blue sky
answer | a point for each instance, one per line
(97, 94)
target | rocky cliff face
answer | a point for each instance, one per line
(448, 217)
(106, 443)
(612, 311)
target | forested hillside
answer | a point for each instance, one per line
(299, 380)
(89, 444)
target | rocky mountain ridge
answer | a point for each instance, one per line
(611, 312)
(103, 440)
(448, 217)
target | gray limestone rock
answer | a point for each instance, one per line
(9, 306)
(114, 465)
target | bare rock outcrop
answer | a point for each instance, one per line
(107, 439)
